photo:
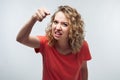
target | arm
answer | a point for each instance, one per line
(84, 71)
(24, 36)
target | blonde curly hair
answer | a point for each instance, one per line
(76, 31)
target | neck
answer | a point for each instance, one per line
(63, 47)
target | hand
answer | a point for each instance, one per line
(40, 14)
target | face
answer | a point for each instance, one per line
(60, 27)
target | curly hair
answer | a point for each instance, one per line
(76, 31)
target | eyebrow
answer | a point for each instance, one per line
(62, 21)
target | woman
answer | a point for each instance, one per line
(64, 50)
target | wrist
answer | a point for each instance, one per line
(33, 18)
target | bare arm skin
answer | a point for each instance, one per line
(84, 71)
(24, 36)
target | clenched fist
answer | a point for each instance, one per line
(40, 14)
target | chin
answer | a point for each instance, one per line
(56, 38)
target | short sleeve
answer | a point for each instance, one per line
(85, 51)
(42, 40)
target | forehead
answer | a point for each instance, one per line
(61, 17)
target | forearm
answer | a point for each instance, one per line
(26, 30)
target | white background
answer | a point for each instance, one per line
(102, 24)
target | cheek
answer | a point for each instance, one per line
(66, 33)
(53, 27)
(67, 30)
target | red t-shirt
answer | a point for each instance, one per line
(61, 67)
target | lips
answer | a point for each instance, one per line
(58, 34)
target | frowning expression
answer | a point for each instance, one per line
(60, 27)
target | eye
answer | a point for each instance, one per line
(55, 22)
(65, 24)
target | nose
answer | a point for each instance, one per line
(58, 27)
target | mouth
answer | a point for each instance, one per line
(58, 33)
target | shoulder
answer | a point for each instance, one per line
(84, 44)
(42, 38)
(43, 43)
(84, 48)
(85, 51)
